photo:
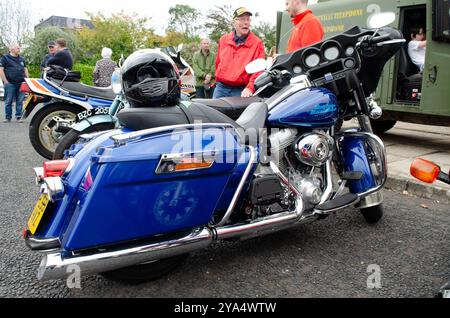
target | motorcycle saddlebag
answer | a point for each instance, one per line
(134, 191)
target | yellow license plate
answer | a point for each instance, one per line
(38, 213)
(28, 101)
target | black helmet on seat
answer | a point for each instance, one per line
(150, 78)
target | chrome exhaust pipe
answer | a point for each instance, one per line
(57, 266)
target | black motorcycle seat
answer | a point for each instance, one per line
(232, 107)
(82, 90)
(251, 121)
(153, 117)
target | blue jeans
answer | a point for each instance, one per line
(13, 94)
(223, 90)
(202, 93)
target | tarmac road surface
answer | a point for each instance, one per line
(329, 258)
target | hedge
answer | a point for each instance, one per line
(87, 72)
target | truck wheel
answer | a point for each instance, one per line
(373, 214)
(382, 126)
(42, 133)
(146, 272)
(73, 135)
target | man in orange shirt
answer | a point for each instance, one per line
(307, 30)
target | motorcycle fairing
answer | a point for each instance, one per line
(128, 200)
(40, 86)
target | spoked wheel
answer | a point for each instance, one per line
(373, 214)
(146, 272)
(43, 134)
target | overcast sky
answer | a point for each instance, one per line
(157, 10)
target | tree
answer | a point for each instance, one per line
(268, 33)
(184, 19)
(15, 22)
(37, 46)
(122, 33)
(219, 21)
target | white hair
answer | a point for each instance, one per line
(107, 53)
(13, 46)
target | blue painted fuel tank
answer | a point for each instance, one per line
(308, 108)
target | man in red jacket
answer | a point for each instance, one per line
(307, 30)
(235, 51)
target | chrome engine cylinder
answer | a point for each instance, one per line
(314, 149)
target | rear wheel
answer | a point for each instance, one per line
(382, 126)
(73, 135)
(43, 134)
(146, 272)
(373, 214)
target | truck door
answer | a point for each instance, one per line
(436, 90)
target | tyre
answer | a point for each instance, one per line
(382, 126)
(42, 133)
(146, 272)
(73, 135)
(373, 214)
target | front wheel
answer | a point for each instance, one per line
(146, 272)
(373, 214)
(73, 135)
(43, 126)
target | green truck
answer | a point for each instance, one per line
(404, 93)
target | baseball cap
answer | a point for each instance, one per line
(241, 11)
(51, 44)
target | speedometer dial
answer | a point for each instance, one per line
(332, 53)
(312, 60)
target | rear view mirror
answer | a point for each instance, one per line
(256, 66)
(380, 20)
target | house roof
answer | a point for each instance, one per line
(65, 23)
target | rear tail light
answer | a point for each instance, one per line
(425, 170)
(55, 168)
(24, 88)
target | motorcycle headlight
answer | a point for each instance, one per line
(116, 82)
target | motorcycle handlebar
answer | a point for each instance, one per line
(379, 39)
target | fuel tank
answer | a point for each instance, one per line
(308, 108)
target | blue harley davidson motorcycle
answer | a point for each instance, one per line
(132, 203)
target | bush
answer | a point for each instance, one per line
(87, 72)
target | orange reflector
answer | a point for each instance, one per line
(192, 164)
(425, 170)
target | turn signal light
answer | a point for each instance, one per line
(55, 168)
(24, 88)
(192, 165)
(425, 170)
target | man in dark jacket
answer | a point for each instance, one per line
(51, 53)
(13, 71)
(63, 57)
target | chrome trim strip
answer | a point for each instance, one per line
(121, 140)
(239, 189)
